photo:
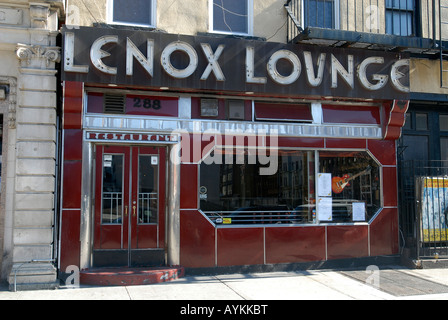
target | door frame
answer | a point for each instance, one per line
(127, 241)
(172, 200)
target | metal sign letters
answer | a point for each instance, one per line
(152, 59)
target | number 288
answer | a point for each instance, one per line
(147, 103)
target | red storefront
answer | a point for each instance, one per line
(211, 152)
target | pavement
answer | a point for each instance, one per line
(387, 283)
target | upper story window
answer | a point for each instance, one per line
(231, 16)
(321, 13)
(400, 17)
(132, 12)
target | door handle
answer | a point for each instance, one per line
(125, 211)
(133, 211)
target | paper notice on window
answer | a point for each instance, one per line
(325, 209)
(359, 211)
(324, 185)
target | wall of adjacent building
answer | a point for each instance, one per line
(29, 55)
(188, 17)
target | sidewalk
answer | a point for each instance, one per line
(394, 283)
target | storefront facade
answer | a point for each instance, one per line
(208, 152)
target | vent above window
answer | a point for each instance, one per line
(114, 103)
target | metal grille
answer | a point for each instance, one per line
(147, 207)
(423, 207)
(114, 103)
(112, 208)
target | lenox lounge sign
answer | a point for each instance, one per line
(207, 63)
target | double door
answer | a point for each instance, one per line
(129, 206)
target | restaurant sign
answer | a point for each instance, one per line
(221, 64)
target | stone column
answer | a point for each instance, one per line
(35, 157)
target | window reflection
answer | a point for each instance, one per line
(235, 193)
(112, 195)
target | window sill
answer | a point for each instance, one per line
(125, 27)
(229, 36)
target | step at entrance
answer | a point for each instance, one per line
(130, 276)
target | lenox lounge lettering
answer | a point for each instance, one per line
(209, 63)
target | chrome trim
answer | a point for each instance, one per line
(173, 212)
(87, 193)
(168, 125)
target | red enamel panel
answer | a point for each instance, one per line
(197, 240)
(72, 144)
(189, 186)
(346, 143)
(110, 237)
(95, 102)
(294, 142)
(351, 114)
(73, 93)
(290, 245)
(390, 186)
(146, 237)
(72, 120)
(384, 233)
(152, 106)
(70, 245)
(248, 110)
(71, 198)
(238, 247)
(384, 151)
(347, 242)
(265, 110)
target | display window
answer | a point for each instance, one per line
(308, 187)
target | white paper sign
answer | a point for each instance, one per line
(324, 185)
(154, 161)
(325, 209)
(359, 211)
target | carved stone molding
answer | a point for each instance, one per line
(39, 13)
(28, 54)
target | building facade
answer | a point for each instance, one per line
(213, 139)
(232, 133)
(28, 98)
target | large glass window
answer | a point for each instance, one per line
(320, 13)
(232, 16)
(132, 12)
(355, 184)
(400, 17)
(444, 148)
(234, 192)
(443, 120)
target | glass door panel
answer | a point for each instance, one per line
(112, 194)
(148, 196)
